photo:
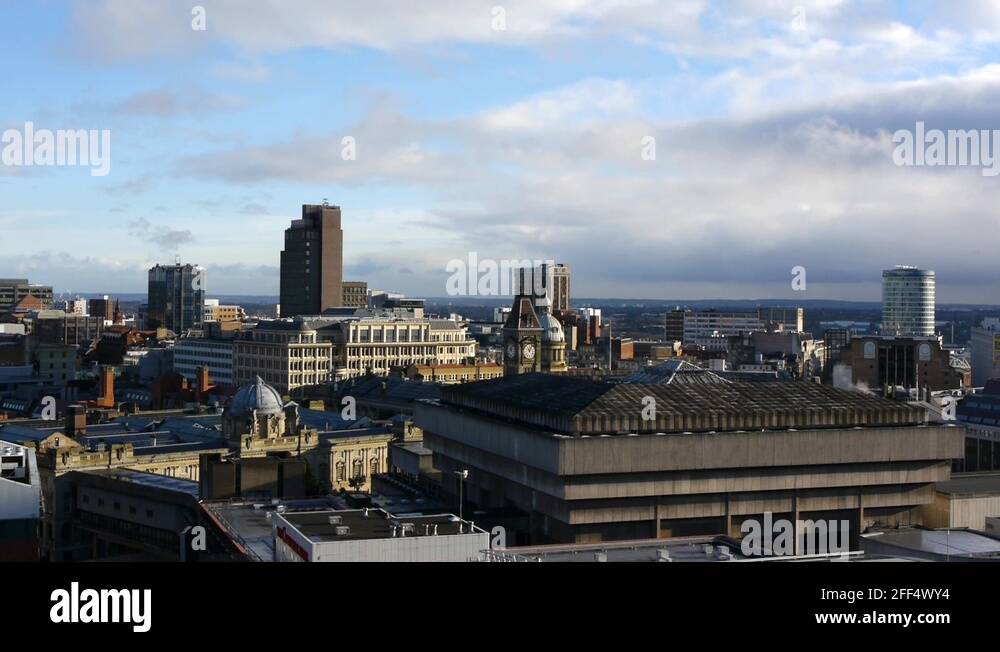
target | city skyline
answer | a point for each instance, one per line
(773, 137)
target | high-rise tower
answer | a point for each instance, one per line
(908, 301)
(312, 262)
(560, 289)
(176, 297)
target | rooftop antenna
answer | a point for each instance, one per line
(177, 259)
(326, 202)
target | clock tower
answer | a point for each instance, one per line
(522, 338)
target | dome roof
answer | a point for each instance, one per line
(259, 396)
(552, 330)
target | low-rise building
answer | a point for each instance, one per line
(454, 373)
(372, 535)
(20, 503)
(217, 312)
(879, 361)
(964, 501)
(355, 294)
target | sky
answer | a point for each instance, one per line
(680, 149)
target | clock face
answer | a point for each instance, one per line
(529, 351)
(511, 350)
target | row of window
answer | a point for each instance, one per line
(117, 506)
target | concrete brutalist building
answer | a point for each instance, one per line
(579, 458)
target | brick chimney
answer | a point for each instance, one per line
(76, 420)
(107, 387)
(201, 383)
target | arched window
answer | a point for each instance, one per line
(358, 469)
(374, 466)
(341, 471)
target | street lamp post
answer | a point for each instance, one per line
(462, 475)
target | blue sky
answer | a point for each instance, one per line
(772, 121)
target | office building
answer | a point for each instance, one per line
(710, 328)
(380, 300)
(312, 262)
(56, 363)
(587, 466)
(103, 308)
(908, 301)
(76, 306)
(560, 289)
(355, 294)
(782, 318)
(176, 297)
(985, 345)
(379, 341)
(216, 354)
(56, 327)
(307, 351)
(217, 312)
(286, 353)
(980, 414)
(13, 291)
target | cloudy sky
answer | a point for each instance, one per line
(516, 129)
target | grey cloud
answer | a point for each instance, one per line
(161, 236)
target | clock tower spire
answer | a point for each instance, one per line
(522, 333)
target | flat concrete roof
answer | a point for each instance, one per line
(248, 523)
(983, 484)
(944, 543)
(374, 523)
(153, 480)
